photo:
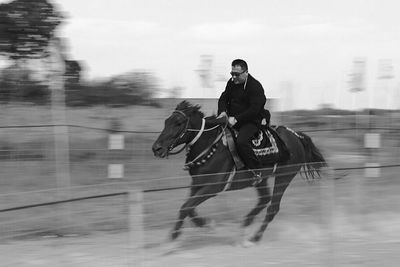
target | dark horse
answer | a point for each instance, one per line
(212, 167)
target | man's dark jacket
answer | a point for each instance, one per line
(245, 104)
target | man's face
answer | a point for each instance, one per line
(238, 74)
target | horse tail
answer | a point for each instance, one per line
(314, 159)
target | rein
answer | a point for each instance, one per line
(203, 123)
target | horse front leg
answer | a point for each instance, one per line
(196, 219)
(188, 208)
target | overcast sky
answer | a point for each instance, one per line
(309, 44)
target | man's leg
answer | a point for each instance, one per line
(246, 133)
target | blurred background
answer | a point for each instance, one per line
(86, 85)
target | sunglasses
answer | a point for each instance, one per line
(236, 74)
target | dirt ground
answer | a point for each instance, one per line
(321, 224)
(286, 243)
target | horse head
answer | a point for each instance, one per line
(178, 129)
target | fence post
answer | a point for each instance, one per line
(60, 129)
(58, 112)
(136, 228)
(116, 145)
(329, 212)
(372, 142)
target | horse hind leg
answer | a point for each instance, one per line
(264, 197)
(281, 184)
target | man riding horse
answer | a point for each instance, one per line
(213, 168)
(243, 103)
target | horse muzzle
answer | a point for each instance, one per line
(159, 151)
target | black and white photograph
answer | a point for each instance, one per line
(199, 133)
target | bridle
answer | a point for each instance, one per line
(185, 130)
(180, 136)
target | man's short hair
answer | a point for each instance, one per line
(241, 63)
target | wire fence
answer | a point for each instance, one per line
(94, 203)
(139, 149)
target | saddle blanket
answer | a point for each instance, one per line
(264, 144)
(269, 147)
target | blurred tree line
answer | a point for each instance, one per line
(26, 30)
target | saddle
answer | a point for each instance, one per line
(267, 146)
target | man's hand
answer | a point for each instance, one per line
(232, 121)
(222, 114)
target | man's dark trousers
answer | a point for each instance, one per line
(247, 132)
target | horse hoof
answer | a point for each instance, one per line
(174, 235)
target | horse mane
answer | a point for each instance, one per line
(189, 108)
